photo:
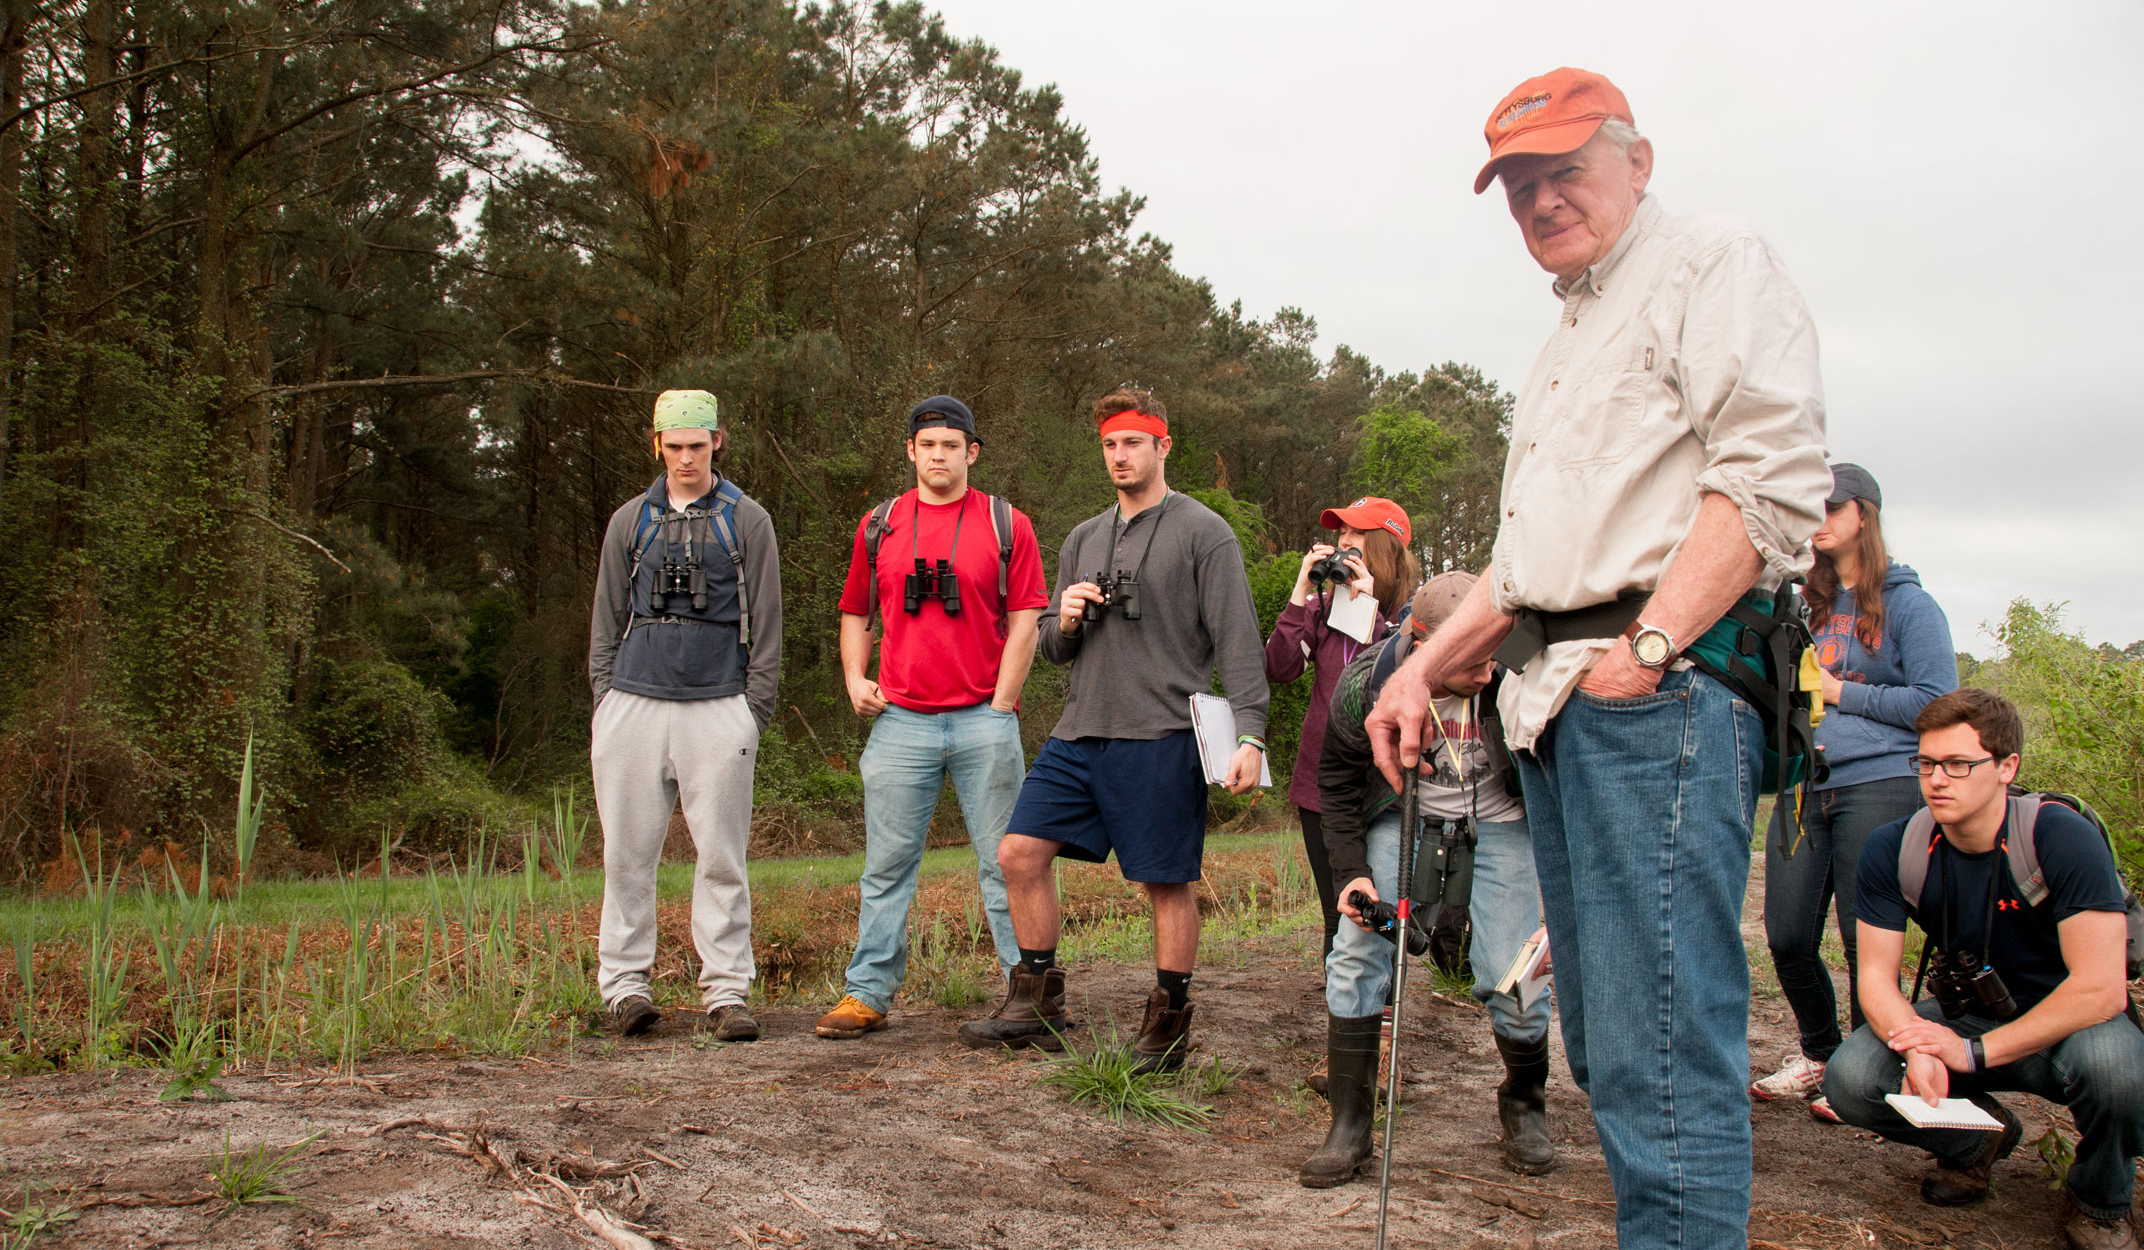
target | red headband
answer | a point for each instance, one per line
(1133, 419)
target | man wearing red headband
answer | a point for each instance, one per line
(1151, 598)
(1667, 462)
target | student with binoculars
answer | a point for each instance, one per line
(1475, 850)
(955, 576)
(2024, 912)
(1151, 599)
(684, 653)
(1369, 555)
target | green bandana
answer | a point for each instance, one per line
(684, 410)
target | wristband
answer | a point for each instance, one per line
(1251, 740)
(1975, 1054)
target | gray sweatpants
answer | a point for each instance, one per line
(646, 754)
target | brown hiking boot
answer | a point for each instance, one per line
(1031, 1014)
(1948, 1186)
(851, 1017)
(732, 1023)
(2085, 1232)
(1164, 1035)
(634, 1015)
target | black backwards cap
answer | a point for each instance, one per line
(942, 410)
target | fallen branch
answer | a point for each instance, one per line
(1509, 1203)
(1521, 1189)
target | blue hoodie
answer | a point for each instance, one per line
(1869, 736)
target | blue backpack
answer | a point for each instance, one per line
(723, 516)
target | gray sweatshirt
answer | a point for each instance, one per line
(1135, 679)
(682, 653)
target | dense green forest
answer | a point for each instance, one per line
(331, 329)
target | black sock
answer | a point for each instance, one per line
(1177, 983)
(1038, 961)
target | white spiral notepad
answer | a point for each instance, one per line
(1949, 1113)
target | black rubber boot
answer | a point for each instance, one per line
(1351, 1086)
(1522, 1106)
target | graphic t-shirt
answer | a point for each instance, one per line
(1460, 780)
(932, 661)
(2026, 950)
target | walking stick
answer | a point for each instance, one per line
(1410, 824)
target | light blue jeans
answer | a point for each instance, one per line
(1506, 910)
(1641, 811)
(904, 767)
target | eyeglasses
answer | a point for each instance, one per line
(1926, 767)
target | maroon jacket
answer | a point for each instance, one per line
(1301, 637)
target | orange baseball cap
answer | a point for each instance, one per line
(1368, 513)
(1552, 114)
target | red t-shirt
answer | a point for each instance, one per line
(930, 661)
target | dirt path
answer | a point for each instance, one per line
(908, 1139)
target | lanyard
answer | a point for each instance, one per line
(1155, 529)
(1950, 904)
(1466, 717)
(915, 526)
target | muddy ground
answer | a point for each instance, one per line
(908, 1139)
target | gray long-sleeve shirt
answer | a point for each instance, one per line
(1135, 679)
(698, 664)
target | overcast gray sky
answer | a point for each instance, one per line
(1957, 188)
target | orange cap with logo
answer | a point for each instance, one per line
(1549, 115)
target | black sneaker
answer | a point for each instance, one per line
(634, 1015)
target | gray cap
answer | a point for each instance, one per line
(1851, 481)
(1437, 599)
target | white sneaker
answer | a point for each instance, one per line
(1799, 1076)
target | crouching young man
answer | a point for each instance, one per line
(1467, 779)
(2028, 980)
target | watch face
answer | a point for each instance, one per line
(1651, 648)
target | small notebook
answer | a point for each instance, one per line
(1949, 1113)
(1352, 614)
(1213, 721)
(1525, 980)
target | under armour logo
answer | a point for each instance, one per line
(2007, 904)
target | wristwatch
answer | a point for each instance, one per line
(1651, 646)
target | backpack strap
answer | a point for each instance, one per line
(724, 516)
(2021, 850)
(876, 527)
(1915, 848)
(1001, 525)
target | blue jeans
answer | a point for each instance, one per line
(904, 767)
(1641, 811)
(1798, 893)
(2098, 1073)
(1506, 910)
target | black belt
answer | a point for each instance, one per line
(1533, 632)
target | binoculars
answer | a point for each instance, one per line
(1333, 568)
(931, 582)
(1444, 871)
(1385, 917)
(1969, 987)
(678, 579)
(1120, 592)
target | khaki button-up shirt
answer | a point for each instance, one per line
(1684, 362)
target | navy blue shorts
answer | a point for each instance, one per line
(1144, 799)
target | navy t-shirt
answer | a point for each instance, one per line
(2026, 951)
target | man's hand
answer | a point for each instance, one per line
(1349, 909)
(1620, 676)
(1009, 710)
(866, 697)
(1395, 725)
(1244, 768)
(1077, 596)
(1926, 1037)
(1926, 1076)
(1548, 961)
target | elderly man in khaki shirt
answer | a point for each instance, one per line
(1667, 460)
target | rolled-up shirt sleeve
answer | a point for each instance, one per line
(1755, 395)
